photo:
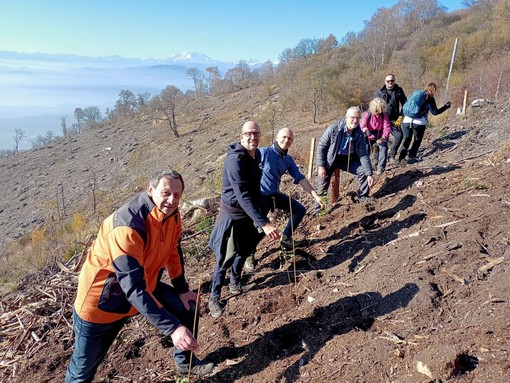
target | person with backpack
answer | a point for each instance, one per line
(416, 110)
(376, 126)
(395, 98)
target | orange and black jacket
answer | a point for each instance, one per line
(125, 263)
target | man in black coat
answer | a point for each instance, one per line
(395, 99)
(235, 234)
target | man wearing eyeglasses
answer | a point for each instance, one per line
(395, 99)
(276, 161)
(122, 277)
(235, 234)
(342, 146)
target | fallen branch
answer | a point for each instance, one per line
(454, 276)
(491, 264)
(449, 223)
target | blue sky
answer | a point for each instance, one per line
(229, 30)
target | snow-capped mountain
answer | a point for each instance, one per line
(37, 84)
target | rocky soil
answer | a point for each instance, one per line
(411, 288)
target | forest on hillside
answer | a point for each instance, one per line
(414, 39)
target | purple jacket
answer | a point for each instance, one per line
(378, 125)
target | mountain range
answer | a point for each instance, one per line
(39, 88)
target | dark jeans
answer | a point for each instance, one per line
(240, 240)
(281, 201)
(92, 340)
(410, 132)
(396, 132)
(354, 168)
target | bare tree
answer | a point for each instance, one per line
(166, 103)
(79, 116)
(214, 80)
(92, 116)
(286, 56)
(416, 13)
(126, 104)
(380, 37)
(199, 80)
(327, 44)
(66, 132)
(18, 136)
(142, 101)
(239, 76)
(306, 47)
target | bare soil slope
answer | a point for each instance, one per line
(419, 277)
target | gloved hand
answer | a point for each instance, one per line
(398, 122)
(448, 105)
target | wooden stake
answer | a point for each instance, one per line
(335, 187)
(310, 162)
(293, 245)
(465, 101)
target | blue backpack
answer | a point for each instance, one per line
(414, 105)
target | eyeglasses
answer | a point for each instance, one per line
(390, 81)
(249, 134)
(354, 117)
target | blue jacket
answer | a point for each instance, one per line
(429, 106)
(275, 163)
(329, 143)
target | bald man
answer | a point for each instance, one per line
(235, 235)
(275, 163)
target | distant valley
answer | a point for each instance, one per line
(38, 89)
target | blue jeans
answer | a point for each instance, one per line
(92, 340)
(380, 157)
(281, 201)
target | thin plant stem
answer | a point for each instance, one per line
(195, 320)
(348, 167)
(293, 245)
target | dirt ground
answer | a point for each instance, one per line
(424, 270)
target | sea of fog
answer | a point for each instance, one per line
(35, 99)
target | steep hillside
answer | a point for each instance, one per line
(419, 275)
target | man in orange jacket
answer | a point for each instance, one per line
(122, 277)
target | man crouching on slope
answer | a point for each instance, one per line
(122, 277)
(235, 235)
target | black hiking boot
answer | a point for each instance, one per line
(198, 368)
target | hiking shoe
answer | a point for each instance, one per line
(366, 199)
(238, 288)
(215, 307)
(287, 242)
(249, 264)
(199, 368)
(413, 160)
